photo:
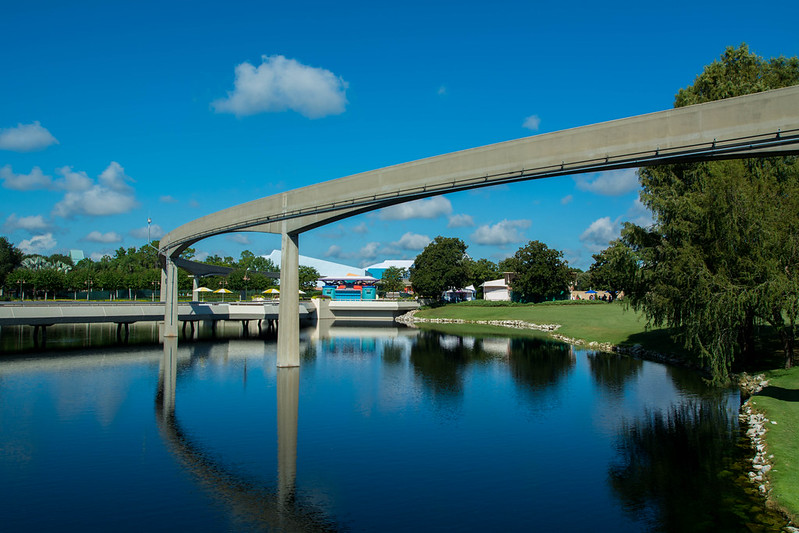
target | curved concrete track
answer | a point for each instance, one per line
(748, 126)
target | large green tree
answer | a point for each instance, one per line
(539, 272)
(614, 268)
(723, 253)
(481, 271)
(10, 258)
(393, 279)
(442, 265)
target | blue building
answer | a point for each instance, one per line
(350, 287)
(376, 270)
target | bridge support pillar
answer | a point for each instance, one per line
(288, 325)
(169, 295)
(288, 400)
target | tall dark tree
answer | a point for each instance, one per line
(442, 265)
(723, 252)
(10, 258)
(481, 271)
(614, 268)
(539, 272)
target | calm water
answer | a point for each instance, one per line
(379, 430)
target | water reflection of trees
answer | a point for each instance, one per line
(539, 364)
(439, 365)
(671, 464)
(612, 371)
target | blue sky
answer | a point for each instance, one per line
(113, 112)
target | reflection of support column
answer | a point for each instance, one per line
(169, 295)
(288, 326)
(288, 399)
(167, 376)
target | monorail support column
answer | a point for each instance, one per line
(288, 326)
(169, 295)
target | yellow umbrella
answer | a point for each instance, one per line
(203, 289)
(224, 291)
(272, 292)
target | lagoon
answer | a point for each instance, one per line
(380, 429)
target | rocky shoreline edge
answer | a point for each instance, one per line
(750, 385)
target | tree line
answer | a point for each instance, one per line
(130, 273)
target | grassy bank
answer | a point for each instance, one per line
(780, 403)
(591, 321)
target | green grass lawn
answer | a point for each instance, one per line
(590, 321)
(780, 403)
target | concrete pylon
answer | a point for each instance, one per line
(288, 326)
(169, 295)
(288, 399)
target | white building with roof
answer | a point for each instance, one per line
(496, 290)
(325, 268)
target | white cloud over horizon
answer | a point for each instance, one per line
(110, 196)
(38, 244)
(105, 238)
(412, 241)
(639, 215)
(501, 233)
(532, 122)
(156, 232)
(25, 182)
(460, 221)
(425, 208)
(238, 238)
(601, 231)
(26, 138)
(282, 84)
(32, 224)
(609, 183)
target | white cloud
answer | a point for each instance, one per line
(361, 228)
(106, 238)
(505, 232)
(167, 199)
(426, 208)
(460, 221)
(111, 196)
(369, 251)
(601, 231)
(566, 199)
(412, 241)
(280, 84)
(532, 122)
(114, 177)
(238, 238)
(33, 224)
(156, 232)
(38, 244)
(442, 91)
(610, 183)
(73, 181)
(25, 182)
(26, 138)
(334, 251)
(639, 214)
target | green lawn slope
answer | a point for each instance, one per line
(590, 321)
(780, 403)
